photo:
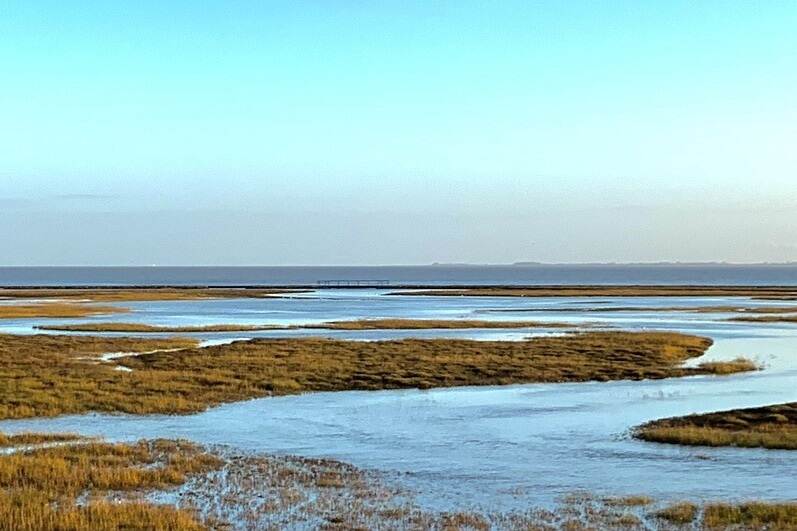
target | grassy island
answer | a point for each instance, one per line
(768, 293)
(55, 310)
(47, 375)
(431, 324)
(772, 427)
(107, 294)
(142, 328)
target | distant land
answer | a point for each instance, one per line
(596, 264)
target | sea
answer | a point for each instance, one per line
(423, 275)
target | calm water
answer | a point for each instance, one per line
(499, 447)
(416, 275)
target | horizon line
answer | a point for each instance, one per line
(432, 264)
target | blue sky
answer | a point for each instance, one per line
(310, 132)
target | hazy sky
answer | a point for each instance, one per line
(357, 132)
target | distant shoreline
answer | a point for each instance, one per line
(298, 289)
(410, 266)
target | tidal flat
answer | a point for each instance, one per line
(449, 432)
(161, 484)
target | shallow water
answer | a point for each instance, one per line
(499, 447)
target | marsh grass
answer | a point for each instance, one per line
(733, 366)
(678, 513)
(361, 324)
(147, 328)
(55, 310)
(751, 515)
(757, 310)
(767, 318)
(769, 293)
(628, 501)
(49, 375)
(424, 324)
(62, 487)
(22, 439)
(143, 294)
(79, 302)
(773, 427)
(28, 511)
(45, 377)
(176, 485)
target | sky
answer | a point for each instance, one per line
(397, 132)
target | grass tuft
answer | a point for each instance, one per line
(730, 367)
(678, 513)
(751, 515)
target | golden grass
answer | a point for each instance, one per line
(686, 309)
(751, 515)
(36, 438)
(77, 302)
(733, 366)
(55, 309)
(424, 324)
(678, 513)
(44, 378)
(143, 294)
(361, 324)
(49, 375)
(147, 328)
(779, 293)
(628, 501)
(97, 485)
(26, 511)
(71, 469)
(39, 488)
(767, 318)
(772, 427)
